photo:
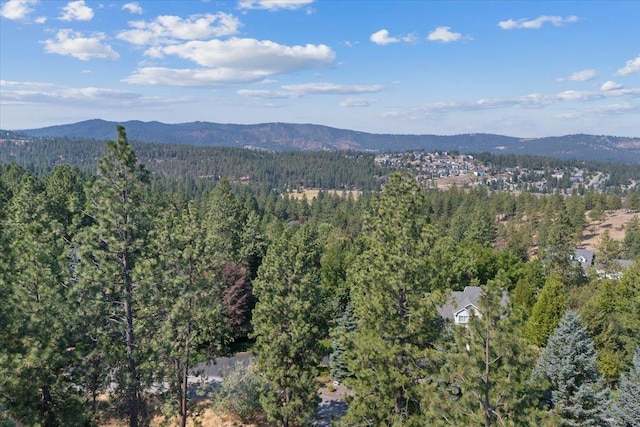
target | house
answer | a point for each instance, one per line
(584, 257)
(462, 305)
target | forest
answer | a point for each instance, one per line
(116, 284)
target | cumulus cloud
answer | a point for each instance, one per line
(76, 11)
(301, 90)
(230, 62)
(273, 4)
(580, 76)
(168, 28)
(358, 102)
(70, 43)
(610, 85)
(444, 35)
(133, 8)
(383, 38)
(17, 9)
(633, 66)
(534, 24)
(252, 54)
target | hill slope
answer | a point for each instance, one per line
(287, 136)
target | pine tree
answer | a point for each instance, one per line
(184, 311)
(38, 353)
(397, 320)
(288, 326)
(223, 222)
(568, 371)
(627, 405)
(483, 377)
(109, 250)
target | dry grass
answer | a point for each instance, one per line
(206, 418)
(312, 193)
(615, 222)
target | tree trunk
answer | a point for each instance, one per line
(131, 363)
(487, 385)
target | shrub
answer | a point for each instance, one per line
(238, 393)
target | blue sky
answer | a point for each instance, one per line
(517, 68)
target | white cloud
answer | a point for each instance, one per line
(617, 108)
(133, 7)
(444, 35)
(17, 9)
(610, 85)
(79, 96)
(534, 24)
(382, 38)
(76, 11)
(580, 76)
(301, 90)
(535, 100)
(264, 56)
(6, 83)
(358, 102)
(203, 77)
(273, 4)
(40, 20)
(70, 43)
(633, 66)
(167, 28)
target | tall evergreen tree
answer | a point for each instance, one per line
(342, 336)
(224, 222)
(109, 250)
(38, 353)
(397, 320)
(627, 405)
(568, 371)
(485, 369)
(184, 310)
(547, 311)
(288, 326)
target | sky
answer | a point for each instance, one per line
(517, 68)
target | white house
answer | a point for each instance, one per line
(462, 305)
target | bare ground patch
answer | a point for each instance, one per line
(615, 222)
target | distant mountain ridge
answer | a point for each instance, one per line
(289, 136)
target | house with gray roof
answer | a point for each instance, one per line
(462, 305)
(584, 257)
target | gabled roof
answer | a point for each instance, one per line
(584, 257)
(460, 301)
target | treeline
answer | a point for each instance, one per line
(191, 168)
(111, 285)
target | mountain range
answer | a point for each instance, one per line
(305, 137)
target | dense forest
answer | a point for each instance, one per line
(192, 169)
(116, 283)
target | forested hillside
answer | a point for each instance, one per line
(191, 168)
(310, 137)
(116, 285)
